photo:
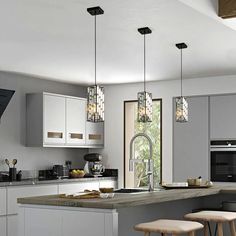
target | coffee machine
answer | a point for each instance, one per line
(93, 166)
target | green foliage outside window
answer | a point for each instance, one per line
(153, 130)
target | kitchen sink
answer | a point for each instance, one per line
(130, 190)
(133, 190)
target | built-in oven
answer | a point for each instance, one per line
(223, 160)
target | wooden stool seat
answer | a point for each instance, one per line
(219, 217)
(174, 227)
(214, 216)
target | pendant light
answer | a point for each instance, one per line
(181, 102)
(95, 93)
(144, 98)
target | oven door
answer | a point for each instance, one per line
(223, 166)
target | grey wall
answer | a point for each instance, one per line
(191, 142)
(13, 123)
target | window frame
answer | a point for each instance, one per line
(161, 140)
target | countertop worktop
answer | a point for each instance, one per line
(122, 200)
(57, 181)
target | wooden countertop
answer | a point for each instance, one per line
(122, 200)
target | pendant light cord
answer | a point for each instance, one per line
(144, 60)
(181, 84)
(95, 48)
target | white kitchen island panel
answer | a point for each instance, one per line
(3, 225)
(64, 221)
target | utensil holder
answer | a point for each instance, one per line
(12, 174)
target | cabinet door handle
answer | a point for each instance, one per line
(95, 136)
(76, 136)
(55, 135)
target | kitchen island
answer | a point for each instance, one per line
(55, 216)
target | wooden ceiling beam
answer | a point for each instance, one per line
(227, 8)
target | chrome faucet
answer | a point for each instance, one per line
(149, 162)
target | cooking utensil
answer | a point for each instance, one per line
(14, 162)
(7, 162)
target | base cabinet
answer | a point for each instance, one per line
(67, 221)
(12, 225)
(26, 191)
(3, 226)
(3, 201)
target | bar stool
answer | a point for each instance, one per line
(218, 217)
(173, 227)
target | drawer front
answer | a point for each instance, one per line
(3, 202)
(3, 226)
(26, 191)
(78, 187)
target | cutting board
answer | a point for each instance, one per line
(185, 187)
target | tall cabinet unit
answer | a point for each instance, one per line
(222, 117)
(191, 142)
(55, 120)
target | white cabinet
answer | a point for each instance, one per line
(75, 121)
(222, 117)
(3, 201)
(55, 120)
(78, 187)
(71, 224)
(54, 117)
(12, 225)
(59, 222)
(95, 134)
(43, 223)
(3, 226)
(26, 191)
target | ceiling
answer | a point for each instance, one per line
(53, 39)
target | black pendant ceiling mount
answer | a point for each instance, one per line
(95, 11)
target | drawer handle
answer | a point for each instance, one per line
(76, 136)
(55, 135)
(95, 136)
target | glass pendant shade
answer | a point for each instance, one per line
(144, 107)
(95, 104)
(181, 110)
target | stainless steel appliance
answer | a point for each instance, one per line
(93, 166)
(223, 160)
